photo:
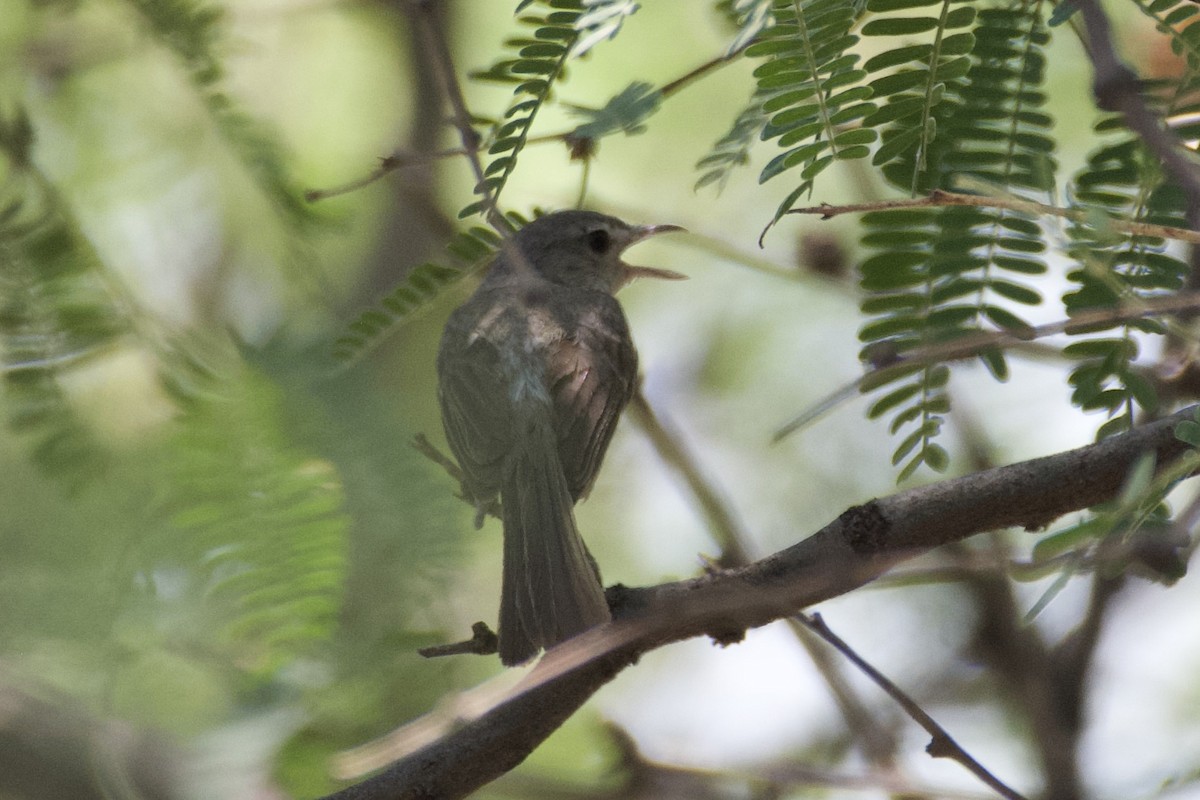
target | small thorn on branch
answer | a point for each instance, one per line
(483, 642)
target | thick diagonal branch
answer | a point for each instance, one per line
(854, 549)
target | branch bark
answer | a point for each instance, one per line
(857, 547)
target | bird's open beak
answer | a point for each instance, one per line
(645, 232)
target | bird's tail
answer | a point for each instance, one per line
(551, 586)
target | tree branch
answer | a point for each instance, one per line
(1116, 88)
(854, 549)
(940, 198)
(877, 744)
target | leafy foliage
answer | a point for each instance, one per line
(566, 29)
(54, 313)
(192, 30)
(626, 112)
(601, 19)
(733, 149)
(275, 514)
(541, 61)
(468, 250)
(912, 80)
(750, 17)
(943, 273)
(256, 521)
(1173, 18)
(811, 87)
(1122, 180)
(957, 97)
(234, 522)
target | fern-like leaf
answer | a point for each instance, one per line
(941, 274)
(810, 86)
(192, 30)
(912, 78)
(1122, 180)
(749, 17)
(1174, 18)
(733, 149)
(467, 250)
(540, 63)
(259, 522)
(54, 314)
(600, 20)
(626, 112)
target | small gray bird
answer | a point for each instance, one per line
(533, 372)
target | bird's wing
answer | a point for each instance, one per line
(476, 404)
(591, 373)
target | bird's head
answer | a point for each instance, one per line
(582, 249)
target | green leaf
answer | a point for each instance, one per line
(1137, 482)
(896, 144)
(733, 149)
(1188, 432)
(936, 457)
(1063, 12)
(1071, 538)
(1016, 292)
(887, 6)
(1048, 596)
(625, 112)
(995, 363)
(601, 19)
(544, 55)
(752, 17)
(468, 249)
(893, 399)
(1141, 389)
(918, 53)
(899, 26)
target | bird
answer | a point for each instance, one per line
(534, 369)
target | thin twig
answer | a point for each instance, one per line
(386, 165)
(683, 81)
(722, 521)
(943, 744)
(973, 344)
(876, 744)
(1016, 654)
(646, 777)
(1116, 88)
(876, 741)
(940, 198)
(483, 642)
(439, 53)
(668, 89)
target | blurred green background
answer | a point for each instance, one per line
(215, 534)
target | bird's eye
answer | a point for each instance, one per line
(599, 240)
